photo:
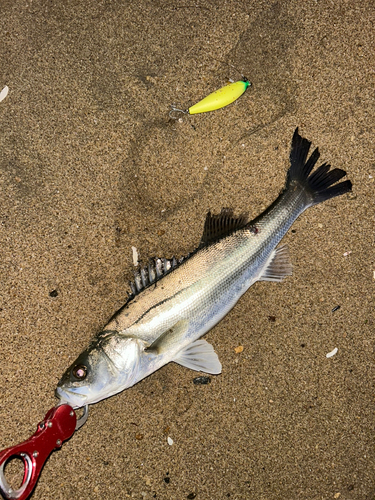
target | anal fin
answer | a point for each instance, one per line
(199, 356)
(278, 266)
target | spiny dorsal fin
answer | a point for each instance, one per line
(215, 227)
(220, 225)
(150, 274)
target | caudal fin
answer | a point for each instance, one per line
(319, 183)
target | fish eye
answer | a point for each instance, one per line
(79, 372)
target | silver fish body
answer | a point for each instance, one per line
(173, 309)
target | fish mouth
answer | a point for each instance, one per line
(71, 397)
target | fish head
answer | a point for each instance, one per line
(108, 366)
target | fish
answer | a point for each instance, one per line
(175, 302)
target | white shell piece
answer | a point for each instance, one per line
(170, 441)
(135, 256)
(4, 93)
(332, 353)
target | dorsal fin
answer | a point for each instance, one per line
(215, 227)
(220, 225)
(150, 274)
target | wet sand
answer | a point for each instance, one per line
(91, 164)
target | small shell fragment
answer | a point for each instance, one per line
(170, 441)
(332, 353)
(345, 254)
(135, 256)
(4, 93)
(238, 349)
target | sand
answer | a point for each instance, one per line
(91, 164)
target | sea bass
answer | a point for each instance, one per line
(173, 303)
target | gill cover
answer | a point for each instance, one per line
(108, 366)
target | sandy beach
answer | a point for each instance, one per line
(92, 164)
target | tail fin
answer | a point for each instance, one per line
(319, 183)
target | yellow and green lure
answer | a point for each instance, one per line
(218, 99)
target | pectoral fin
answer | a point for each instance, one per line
(169, 339)
(278, 266)
(199, 356)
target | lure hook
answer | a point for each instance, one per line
(177, 110)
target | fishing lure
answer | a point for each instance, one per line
(218, 99)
